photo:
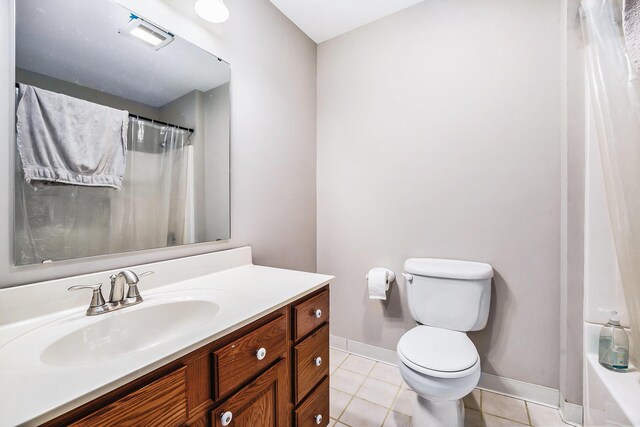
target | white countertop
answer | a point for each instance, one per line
(33, 392)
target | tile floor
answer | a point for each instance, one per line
(366, 393)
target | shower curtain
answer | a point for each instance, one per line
(55, 222)
(615, 90)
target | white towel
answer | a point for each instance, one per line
(631, 29)
(69, 140)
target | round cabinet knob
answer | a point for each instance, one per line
(318, 313)
(318, 361)
(226, 418)
(261, 353)
(318, 418)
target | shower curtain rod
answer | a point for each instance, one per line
(139, 117)
(159, 122)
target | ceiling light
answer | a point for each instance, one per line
(212, 10)
(141, 30)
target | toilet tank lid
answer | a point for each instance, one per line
(448, 268)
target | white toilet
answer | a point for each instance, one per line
(437, 360)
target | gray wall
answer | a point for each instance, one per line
(273, 138)
(439, 136)
(83, 92)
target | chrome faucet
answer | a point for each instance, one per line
(118, 281)
(117, 299)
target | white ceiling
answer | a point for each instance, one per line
(324, 19)
(78, 41)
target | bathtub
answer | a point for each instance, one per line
(609, 398)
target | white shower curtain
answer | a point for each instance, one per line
(615, 89)
(55, 222)
(150, 210)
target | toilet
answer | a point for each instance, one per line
(437, 360)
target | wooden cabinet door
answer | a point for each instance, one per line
(163, 403)
(262, 403)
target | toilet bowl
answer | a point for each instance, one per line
(442, 367)
(437, 359)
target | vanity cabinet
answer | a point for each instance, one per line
(271, 372)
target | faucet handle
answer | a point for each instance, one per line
(97, 300)
(133, 292)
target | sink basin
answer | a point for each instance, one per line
(162, 323)
(120, 333)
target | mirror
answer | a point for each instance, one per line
(122, 134)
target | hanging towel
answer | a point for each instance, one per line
(68, 140)
(631, 29)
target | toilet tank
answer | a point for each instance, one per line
(449, 294)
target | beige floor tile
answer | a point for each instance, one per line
(336, 357)
(332, 369)
(387, 373)
(338, 400)
(361, 413)
(332, 422)
(472, 400)
(405, 403)
(377, 391)
(543, 416)
(504, 406)
(339, 424)
(357, 364)
(346, 381)
(492, 421)
(472, 418)
(396, 419)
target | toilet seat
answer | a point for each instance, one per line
(438, 352)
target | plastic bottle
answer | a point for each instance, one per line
(613, 352)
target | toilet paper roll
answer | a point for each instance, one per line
(378, 283)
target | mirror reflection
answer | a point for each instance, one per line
(122, 134)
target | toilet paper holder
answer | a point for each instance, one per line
(378, 281)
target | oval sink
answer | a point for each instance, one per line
(128, 330)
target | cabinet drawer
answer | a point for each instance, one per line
(310, 314)
(316, 406)
(238, 361)
(161, 403)
(305, 358)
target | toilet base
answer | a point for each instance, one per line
(438, 413)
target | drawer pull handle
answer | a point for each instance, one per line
(226, 418)
(318, 418)
(261, 353)
(318, 313)
(318, 361)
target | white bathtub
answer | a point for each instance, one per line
(609, 398)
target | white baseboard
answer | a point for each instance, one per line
(522, 390)
(365, 350)
(570, 412)
(338, 342)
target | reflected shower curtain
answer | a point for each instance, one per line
(55, 222)
(615, 89)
